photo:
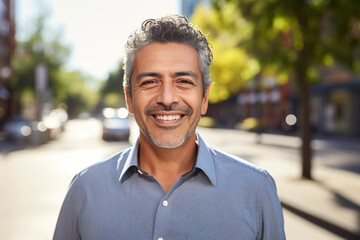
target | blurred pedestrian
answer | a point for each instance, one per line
(170, 184)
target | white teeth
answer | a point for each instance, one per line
(168, 117)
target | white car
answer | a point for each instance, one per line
(116, 125)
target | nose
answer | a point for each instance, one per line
(167, 94)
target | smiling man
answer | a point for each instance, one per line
(170, 184)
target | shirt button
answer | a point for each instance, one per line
(165, 203)
(160, 239)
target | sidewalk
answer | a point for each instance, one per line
(331, 200)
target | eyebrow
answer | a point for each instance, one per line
(185, 73)
(176, 74)
(146, 74)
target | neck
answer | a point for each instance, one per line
(167, 164)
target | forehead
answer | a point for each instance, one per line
(166, 56)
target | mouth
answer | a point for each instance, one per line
(168, 120)
(168, 117)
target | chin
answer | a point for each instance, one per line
(163, 143)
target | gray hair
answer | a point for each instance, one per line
(172, 28)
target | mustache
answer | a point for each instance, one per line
(150, 110)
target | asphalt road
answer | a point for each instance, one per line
(34, 180)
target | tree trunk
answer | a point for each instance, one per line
(305, 128)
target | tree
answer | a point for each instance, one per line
(36, 49)
(296, 37)
(43, 45)
(112, 92)
(74, 90)
(232, 67)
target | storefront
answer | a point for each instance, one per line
(338, 108)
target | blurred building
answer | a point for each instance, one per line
(7, 46)
(263, 105)
(335, 103)
(334, 109)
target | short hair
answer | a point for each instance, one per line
(171, 28)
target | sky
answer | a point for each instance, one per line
(95, 30)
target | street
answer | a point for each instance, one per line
(34, 180)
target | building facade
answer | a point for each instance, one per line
(7, 47)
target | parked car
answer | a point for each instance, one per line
(18, 129)
(25, 131)
(115, 124)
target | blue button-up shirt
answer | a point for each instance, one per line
(223, 197)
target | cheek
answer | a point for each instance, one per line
(140, 103)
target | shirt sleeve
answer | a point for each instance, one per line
(272, 221)
(67, 224)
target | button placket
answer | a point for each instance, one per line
(163, 213)
(162, 216)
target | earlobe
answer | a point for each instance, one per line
(128, 101)
(205, 101)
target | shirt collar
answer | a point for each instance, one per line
(204, 160)
(130, 161)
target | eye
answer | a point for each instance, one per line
(147, 83)
(185, 81)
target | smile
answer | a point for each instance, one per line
(168, 117)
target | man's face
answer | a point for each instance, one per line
(167, 93)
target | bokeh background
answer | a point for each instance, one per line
(285, 96)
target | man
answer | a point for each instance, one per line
(170, 185)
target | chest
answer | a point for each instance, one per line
(188, 212)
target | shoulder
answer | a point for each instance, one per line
(244, 176)
(233, 165)
(106, 168)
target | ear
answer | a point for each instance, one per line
(128, 101)
(205, 101)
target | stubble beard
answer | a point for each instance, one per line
(168, 141)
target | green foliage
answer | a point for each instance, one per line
(73, 90)
(232, 67)
(112, 93)
(34, 50)
(113, 100)
(206, 122)
(43, 45)
(231, 70)
(300, 35)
